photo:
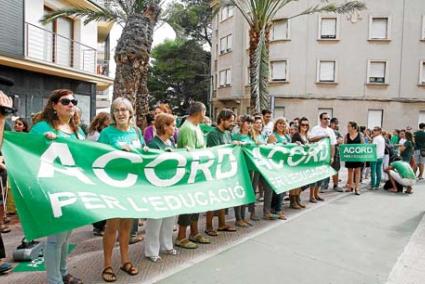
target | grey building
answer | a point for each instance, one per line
(63, 54)
(368, 67)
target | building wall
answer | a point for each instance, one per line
(402, 96)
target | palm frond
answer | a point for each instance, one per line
(346, 8)
(105, 14)
(260, 83)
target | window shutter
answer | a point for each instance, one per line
(228, 76)
(423, 72)
(379, 28)
(377, 69)
(222, 44)
(230, 11)
(222, 78)
(280, 29)
(328, 29)
(374, 118)
(279, 70)
(327, 71)
(229, 42)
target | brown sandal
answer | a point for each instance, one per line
(108, 272)
(69, 279)
(129, 268)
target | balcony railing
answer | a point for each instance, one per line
(50, 47)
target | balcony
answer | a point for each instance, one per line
(50, 47)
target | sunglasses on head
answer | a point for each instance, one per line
(66, 102)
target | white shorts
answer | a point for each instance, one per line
(402, 181)
(418, 158)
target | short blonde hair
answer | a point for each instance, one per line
(122, 101)
(161, 121)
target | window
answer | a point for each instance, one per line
(225, 77)
(328, 28)
(226, 12)
(326, 71)
(279, 111)
(423, 28)
(280, 30)
(377, 72)
(379, 28)
(279, 70)
(226, 44)
(421, 118)
(422, 73)
(374, 118)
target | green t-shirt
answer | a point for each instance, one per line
(190, 136)
(404, 169)
(43, 126)
(282, 139)
(407, 154)
(157, 143)
(394, 139)
(217, 137)
(419, 139)
(242, 138)
(118, 138)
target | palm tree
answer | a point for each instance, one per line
(259, 15)
(138, 19)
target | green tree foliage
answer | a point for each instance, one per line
(191, 19)
(179, 74)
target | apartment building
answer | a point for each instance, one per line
(368, 67)
(65, 53)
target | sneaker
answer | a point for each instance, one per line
(338, 189)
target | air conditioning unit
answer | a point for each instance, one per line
(328, 36)
(376, 79)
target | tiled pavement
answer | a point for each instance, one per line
(86, 261)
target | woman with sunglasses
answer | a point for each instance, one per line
(124, 135)
(301, 138)
(59, 119)
(280, 135)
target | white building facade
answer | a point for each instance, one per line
(368, 67)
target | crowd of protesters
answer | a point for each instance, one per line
(400, 161)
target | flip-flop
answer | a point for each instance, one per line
(227, 229)
(211, 233)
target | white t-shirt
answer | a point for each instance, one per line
(320, 131)
(268, 129)
(380, 146)
(93, 136)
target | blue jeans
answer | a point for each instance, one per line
(376, 172)
(55, 257)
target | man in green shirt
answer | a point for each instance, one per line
(420, 145)
(220, 135)
(401, 173)
(191, 137)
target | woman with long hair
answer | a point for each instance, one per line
(21, 125)
(124, 135)
(354, 168)
(59, 119)
(101, 121)
(280, 135)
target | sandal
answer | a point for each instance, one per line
(155, 259)
(282, 216)
(170, 252)
(186, 244)
(4, 229)
(135, 239)
(200, 239)
(241, 224)
(129, 268)
(318, 198)
(108, 275)
(69, 279)
(226, 228)
(312, 200)
(211, 233)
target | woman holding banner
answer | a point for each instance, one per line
(244, 136)
(354, 168)
(280, 135)
(123, 135)
(159, 232)
(59, 119)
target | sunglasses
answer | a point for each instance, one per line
(304, 124)
(326, 118)
(66, 102)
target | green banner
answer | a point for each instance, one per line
(64, 184)
(291, 166)
(357, 152)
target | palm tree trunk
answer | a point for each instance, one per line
(132, 59)
(259, 98)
